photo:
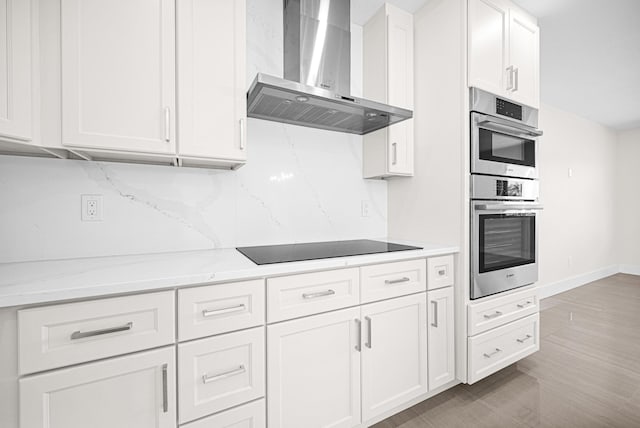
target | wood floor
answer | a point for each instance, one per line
(586, 374)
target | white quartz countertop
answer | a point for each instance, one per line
(57, 280)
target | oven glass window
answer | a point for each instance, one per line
(506, 240)
(498, 147)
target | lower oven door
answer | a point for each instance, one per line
(504, 247)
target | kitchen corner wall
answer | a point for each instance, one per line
(299, 184)
(628, 200)
(578, 224)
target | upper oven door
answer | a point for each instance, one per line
(504, 246)
(503, 147)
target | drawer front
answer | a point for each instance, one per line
(496, 349)
(311, 293)
(388, 280)
(62, 335)
(215, 309)
(250, 415)
(501, 310)
(440, 272)
(220, 372)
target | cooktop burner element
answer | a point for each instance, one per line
(268, 254)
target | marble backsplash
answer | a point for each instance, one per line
(300, 184)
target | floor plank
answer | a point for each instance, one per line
(586, 374)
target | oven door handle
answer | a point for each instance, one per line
(512, 128)
(505, 207)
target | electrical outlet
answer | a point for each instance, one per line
(569, 261)
(365, 208)
(91, 206)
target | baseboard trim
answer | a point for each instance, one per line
(557, 287)
(629, 269)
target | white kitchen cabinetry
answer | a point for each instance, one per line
(313, 371)
(394, 353)
(441, 340)
(211, 82)
(15, 70)
(388, 78)
(118, 76)
(504, 51)
(136, 391)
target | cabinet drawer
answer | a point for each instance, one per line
(439, 272)
(310, 293)
(250, 415)
(501, 310)
(496, 349)
(220, 372)
(392, 279)
(214, 309)
(62, 335)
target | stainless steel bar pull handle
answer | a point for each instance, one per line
(394, 147)
(510, 78)
(515, 85)
(397, 281)
(82, 334)
(496, 314)
(435, 313)
(318, 294)
(165, 391)
(359, 340)
(206, 378)
(524, 339)
(167, 124)
(368, 342)
(491, 354)
(524, 305)
(242, 136)
(228, 310)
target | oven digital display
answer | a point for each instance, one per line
(508, 188)
(505, 108)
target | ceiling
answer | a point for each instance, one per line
(589, 54)
(590, 58)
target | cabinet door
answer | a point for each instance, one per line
(136, 391)
(441, 341)
(211, 72)
(313, 368)
(400, 147)
(394, 353)
(118, 74)
(524, 56)
(488, 24)
(15, 69)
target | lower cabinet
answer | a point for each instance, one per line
(394, 353)
(317, 365)
(220, 372)
(134, 391)
(313, 368)
(441, 337)
(250, 415)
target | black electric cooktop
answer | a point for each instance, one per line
(268, 254)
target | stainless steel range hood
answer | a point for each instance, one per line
(317, 75)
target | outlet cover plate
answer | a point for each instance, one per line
(91, 206)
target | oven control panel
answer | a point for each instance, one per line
(505, 108)
(508, 188)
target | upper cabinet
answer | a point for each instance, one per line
(118, 75)
(211, 80)
(15, 70)
(504, 53)
(388, 78)
(164, 85)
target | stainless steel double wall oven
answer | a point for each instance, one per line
(504, 194)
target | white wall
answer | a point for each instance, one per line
(577, 228)
(299, 185)
(628, 200)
